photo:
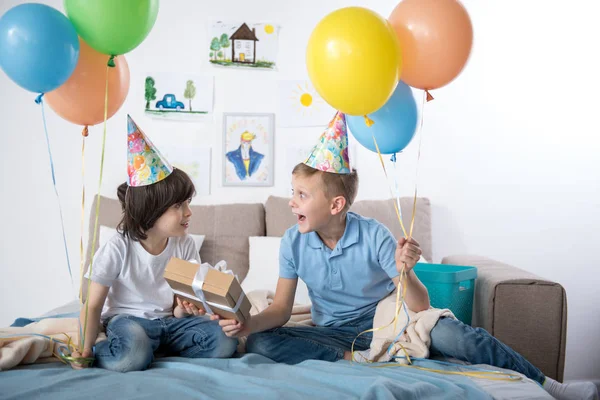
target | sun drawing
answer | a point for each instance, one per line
(305, 99)
(269, 29)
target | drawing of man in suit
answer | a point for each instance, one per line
(245, 159)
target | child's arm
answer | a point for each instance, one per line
(407, 255)
(276, 315)
(95, 302)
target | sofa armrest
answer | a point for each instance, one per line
(522, 310)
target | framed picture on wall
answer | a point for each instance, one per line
(248, 152)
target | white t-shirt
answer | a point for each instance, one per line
(135, 277)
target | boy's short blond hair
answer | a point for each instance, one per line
(333, 184)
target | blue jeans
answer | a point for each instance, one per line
(449, 338)
(328, 343)
(132, 341)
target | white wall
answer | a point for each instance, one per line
(509, 156)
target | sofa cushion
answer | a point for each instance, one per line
(279, 217)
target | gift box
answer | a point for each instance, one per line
(216, 291)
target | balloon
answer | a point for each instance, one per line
(395, 123)
(38, 47)
(353, 60)
(436, 38)
(81, 99)
(112, 26)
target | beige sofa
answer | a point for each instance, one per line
(525, 311)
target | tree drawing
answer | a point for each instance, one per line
(215, 46)
(220, 54)
(150, 93)
(224, 42)
(190, 92)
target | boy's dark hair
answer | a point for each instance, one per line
(333, 184)
(143, 205)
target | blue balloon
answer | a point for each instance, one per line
(394, 124)
(39, 47)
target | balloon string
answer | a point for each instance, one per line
(95, 236)
(400, 304)
(406, 235)
(401, 290)
(474, 373)
(39, 100)
(81, 255)
(396, 186)
(426, 96)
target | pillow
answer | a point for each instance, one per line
(105, 233)
(264, 268)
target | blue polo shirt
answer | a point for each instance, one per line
(347, 282)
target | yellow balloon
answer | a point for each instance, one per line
(353, 60)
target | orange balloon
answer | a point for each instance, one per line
(436, 37)
(80, 99)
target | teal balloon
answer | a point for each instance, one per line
(39, 47)
(394, 125)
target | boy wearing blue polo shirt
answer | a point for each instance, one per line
(349, 263)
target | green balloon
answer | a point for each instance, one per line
(112, 27)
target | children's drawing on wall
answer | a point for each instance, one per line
(248, 149)
(243, 44)
(183, 97)
(301, 105)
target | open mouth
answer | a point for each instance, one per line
(301, 218)
(185, 224)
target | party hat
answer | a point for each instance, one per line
(331, 153)
(145, 164)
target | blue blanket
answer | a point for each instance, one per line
(249, 377)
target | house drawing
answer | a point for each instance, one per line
(243, 45)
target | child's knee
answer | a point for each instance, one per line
(130, 350)
(210, 343)
(225, 347)
(447, 329)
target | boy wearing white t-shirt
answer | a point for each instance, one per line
(128, 293)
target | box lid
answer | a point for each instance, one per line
(180, 270)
